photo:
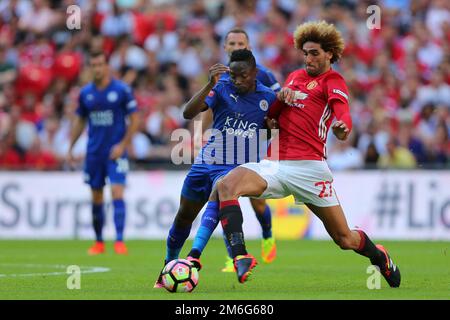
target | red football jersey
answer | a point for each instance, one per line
(304, 124)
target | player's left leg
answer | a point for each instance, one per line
(264, 216)
(209, 222)
(210, 218)
(117, 170)
(119, 206)
(335, 223)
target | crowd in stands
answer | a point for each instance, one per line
(398, 75)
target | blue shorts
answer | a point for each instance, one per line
(201, 179)
(96, 170)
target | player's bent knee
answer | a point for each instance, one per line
(226, 189)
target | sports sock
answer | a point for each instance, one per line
(231, 220)
(265, 220)
(119, 218)
(175, 241)
(98, 218)
(210, 220)
(368, 249)
(227, 244)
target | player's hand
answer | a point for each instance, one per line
(340, 130)
(117, 151)
(286, 95)
(215, 71)
(272, 123)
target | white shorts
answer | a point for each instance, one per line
(309, 181)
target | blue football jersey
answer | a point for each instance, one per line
(238, 135)
(106, 111)
(264, 75)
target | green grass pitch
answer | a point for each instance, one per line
(304, 269)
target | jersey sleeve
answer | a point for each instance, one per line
(130, 101)
(336, 89)
(213, 97)
(337, 97)
(268, 79)
(81, 109)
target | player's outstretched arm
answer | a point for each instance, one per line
(342, 127)
(118, 149)
(78, 126)
(197, 103)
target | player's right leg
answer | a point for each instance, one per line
(98, 219)
(180, 230)
(209, 222)
(94, 175)
(210, 218)
(195, 192)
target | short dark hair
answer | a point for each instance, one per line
(97, 53)
(237, 30)
(243, 55)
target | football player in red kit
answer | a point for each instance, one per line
(307, 104)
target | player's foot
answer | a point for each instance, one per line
(158, 283)
(229, 265)
(120, 248)
(244, 266)
(97, 248)
(195, 262)
(388, 269)
(268, 250)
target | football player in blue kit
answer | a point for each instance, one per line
(239, 107)
(235, 39)
(105, 105)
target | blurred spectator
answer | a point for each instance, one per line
(8, 71)
(345, 156)
(39, 19)
(128, 56)
(398, 76)
(397, 157)
(117, 23)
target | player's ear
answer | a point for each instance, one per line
(329, 55)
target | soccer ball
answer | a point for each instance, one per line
(179, 275)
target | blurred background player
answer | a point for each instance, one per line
(238, 102)
(105, 104)
(305, 109)
(235, 39)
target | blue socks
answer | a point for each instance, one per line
(175, 241)
(98, 218)
(119, 218)
(265, 220)
(210, 220)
